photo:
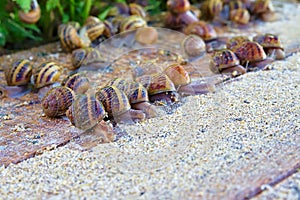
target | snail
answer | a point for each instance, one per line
(137, 95)
(178, 6)
(57, 101)
(202, 29)
(132, 22)
(46, 74)
(211, 9)
(185, 85)
(87, 113)
(17, 79)
(94, 27)
(118, 9)
(33, 15)
(117, 105)
(160, 88)
(239, 16)
(264, 9)
(89, 58)
(136, 9)
(252, 56)
(236, 42)
(147, 35)
(226, 62)
(71, 39)
(193, 47)
(271, 44)
(179, 21)
(77, 82)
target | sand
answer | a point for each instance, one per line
(228, 144)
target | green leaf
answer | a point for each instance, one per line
(104, 13)
(24, 4)
(17, 32)
(51, 5)
(3, 35)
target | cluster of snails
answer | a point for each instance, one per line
(120, 100)
(121, 17)
(243, 54)
(23, 78)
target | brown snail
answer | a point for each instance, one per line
(132, 22)
(202, 29)
(17, 79)
(136, 9)
(226, 62)
(57, 101)
(271, 44)
(33, 15)
(193, 47)
(117, 105)
(94, 27)
(71, 39)
(137, 95)
(211, 9)
(178, 6)
(86, 57)
(239, 16)
(161, 89)
(46, 74)
(147, 35)
(264, 9)
(179, 21)
(77, 82)
(252, 56)
(236, 42)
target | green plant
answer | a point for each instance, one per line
(12, 30)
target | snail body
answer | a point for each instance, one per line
(46, 74)
(117, 105)
(57, 101)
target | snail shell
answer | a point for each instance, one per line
(94, 27)
(57, 101)
(236, 42)
(211, 9)
(250, 51)
(47, 73)
(136, 9)
(132, 22)
(33, 15)
(84, 57)
(108, 29)
(114, 100)
(240, 16)
(179, 21)
(178, 75)
(77, 82)
(86, 111)
(70, 39)
(178, 6)
(117, 105)
(271, 44)
(160, 88)
(147, 35)
(262, 6)
(202, 29)
(19, 73)
(193, 47)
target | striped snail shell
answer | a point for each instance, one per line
(132, 22)
(19, 73)
(46, 74)
(108, 29)
(33, 15)
(202, 29)
(236, 42)
(117, 105)
(57, 101)
(239, 16)
(77, 82)
(86, 111)
(71, 39)
(136, 9)
(94, 27)
(84, 57)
